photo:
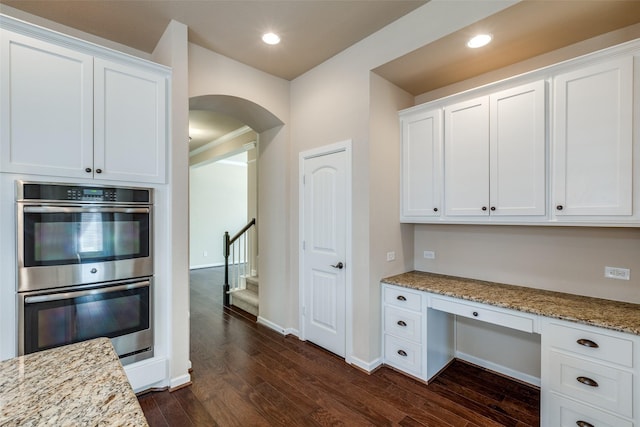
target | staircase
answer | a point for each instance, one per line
(240, 275)
(247, 299)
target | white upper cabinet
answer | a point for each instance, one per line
(555, 146)
(130, 123)
(466, 158)
(72, 113)
(593, 141)
(518, 151)
(495, 154)
(46, 95)
(421, 164)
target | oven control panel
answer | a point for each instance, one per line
(28, 191)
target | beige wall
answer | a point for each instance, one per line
(564, 259)
(387, 234)
(214, 74)
(331, 103)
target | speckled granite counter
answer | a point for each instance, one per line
(619, 316)
(81, 384)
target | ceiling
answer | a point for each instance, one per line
(522, 31)
(312, 31)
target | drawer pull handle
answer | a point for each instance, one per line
(587, 343)
(587, 381)
(402, 323)
(475, 314)
(581, 423)
(402, 353)
(401, 298)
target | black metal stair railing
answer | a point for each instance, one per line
(240, 244)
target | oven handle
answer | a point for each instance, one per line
(78, 209)
(75, 294)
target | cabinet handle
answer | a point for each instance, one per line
(587, 343)
(402, 323)
(435, 209)
(493, 208)
(98, 170)
(587, 381)
(559, 207)
(475, 314)
(87, 170)
(484, 208)
(401, 298)
(581, 423)
(402, 353)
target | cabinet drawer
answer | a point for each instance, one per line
(403, 355)
(591, 344)
(403, 324)
(495, 316)
(568, 413)
(590, 382)
(402, 297)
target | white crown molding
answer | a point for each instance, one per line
(224, 138)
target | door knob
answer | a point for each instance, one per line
(339, 266)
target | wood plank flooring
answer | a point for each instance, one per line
(245, 374)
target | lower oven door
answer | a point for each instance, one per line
(121, 311)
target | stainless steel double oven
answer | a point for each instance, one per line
(85, 267)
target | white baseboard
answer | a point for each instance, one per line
(179, 381)
(198, 267)
(365, 366)
(147, 374)
(284, 331)
(529, 379)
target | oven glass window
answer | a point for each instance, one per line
(110, 314)
(77, 238)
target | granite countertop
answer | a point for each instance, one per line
(80, 384)
(615, 315)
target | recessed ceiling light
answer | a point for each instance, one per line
(271, 38)
(479, 41)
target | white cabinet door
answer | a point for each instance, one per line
(592, 164)
(130, 123)
(46, 95)
(518, 151)
(421, 164)
(466, 158)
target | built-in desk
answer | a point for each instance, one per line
(590, 355)
(80, 384)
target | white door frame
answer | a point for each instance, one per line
(316, 152)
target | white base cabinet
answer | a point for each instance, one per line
(408, 326)
(590, 376)
(71, 109)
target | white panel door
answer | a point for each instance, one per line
(324, 251)
(130, 123)
(421, 164)
(517, 151)
(592, 165)
(466, 158)
(46, 96)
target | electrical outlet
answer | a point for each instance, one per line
(617, 273)
(391, 256)
(429, 254)
(205, 253)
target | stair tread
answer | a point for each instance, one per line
(246, 295)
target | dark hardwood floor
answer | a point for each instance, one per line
(245, 374)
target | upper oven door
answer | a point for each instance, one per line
(71, 245)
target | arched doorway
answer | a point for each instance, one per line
(242, 121)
